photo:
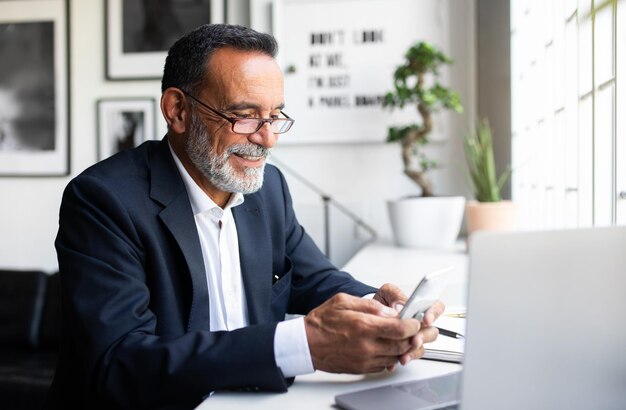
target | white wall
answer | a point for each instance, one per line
(361, 177)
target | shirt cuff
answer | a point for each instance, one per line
(291, 348)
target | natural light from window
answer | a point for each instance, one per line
(568, 112)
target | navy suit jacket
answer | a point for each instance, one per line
(134, 292)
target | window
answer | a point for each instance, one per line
(569, 112)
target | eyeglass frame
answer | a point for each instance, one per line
(233, 121)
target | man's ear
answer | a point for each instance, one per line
(175, 110)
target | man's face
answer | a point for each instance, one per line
(243, 85)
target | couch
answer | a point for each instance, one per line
(29, 336)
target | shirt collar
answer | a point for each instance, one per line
(200, 201)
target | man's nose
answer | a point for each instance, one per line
(264, 136)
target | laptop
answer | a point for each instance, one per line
(546, 328)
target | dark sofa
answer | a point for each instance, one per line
(30, 315)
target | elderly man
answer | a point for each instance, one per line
(179, 259)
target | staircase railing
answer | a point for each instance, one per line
(328, 203)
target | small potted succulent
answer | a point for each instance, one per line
(417, 221)
(488, 211)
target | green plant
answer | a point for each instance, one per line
(478, 147)
(410, 87)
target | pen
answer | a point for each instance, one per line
(458, 315)
(450, 333)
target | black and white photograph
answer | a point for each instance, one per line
(139, 32)
(33, 90)
(124, 123)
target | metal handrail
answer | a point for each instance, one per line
(328, 201)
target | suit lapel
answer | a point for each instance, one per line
(255, 255)
(168, 188)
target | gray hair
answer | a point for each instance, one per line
(186, 62)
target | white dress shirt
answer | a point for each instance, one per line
(227, 300)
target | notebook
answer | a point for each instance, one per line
(545, 328)
(447, 349)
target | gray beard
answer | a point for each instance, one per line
(216, 168)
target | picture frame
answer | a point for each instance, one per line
(137, 39)
(124, 123)
(34, 88)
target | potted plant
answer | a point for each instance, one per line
(425, 220)
(488, 211)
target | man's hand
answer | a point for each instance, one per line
(347, 334)
(391, 295)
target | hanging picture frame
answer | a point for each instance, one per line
(34, 88)
(124, 123)
(139, 33)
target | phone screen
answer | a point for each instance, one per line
(425, 294)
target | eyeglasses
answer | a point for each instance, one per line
(251, 125)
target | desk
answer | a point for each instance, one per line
(379, 263)
(376, 264)
(317, 391)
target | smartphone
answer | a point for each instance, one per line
(426, 293)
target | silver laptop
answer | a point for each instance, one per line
(546, 327)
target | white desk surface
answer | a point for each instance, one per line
(375, 265)
(379, 263)
(318, 390)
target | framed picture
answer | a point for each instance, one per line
(124, 123)
(140, 32)
(34, 88)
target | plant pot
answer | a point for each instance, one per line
(490, 216)
(430, 222)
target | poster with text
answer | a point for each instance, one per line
(339, 56)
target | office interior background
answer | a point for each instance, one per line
(547, 75)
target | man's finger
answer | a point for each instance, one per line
(390, 295)
(387, 347)
(412, 355)
(370, 306)
(434, 312)
(428, 334)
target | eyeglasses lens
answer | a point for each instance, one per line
(277, 126)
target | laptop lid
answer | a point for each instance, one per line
(546, 320)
